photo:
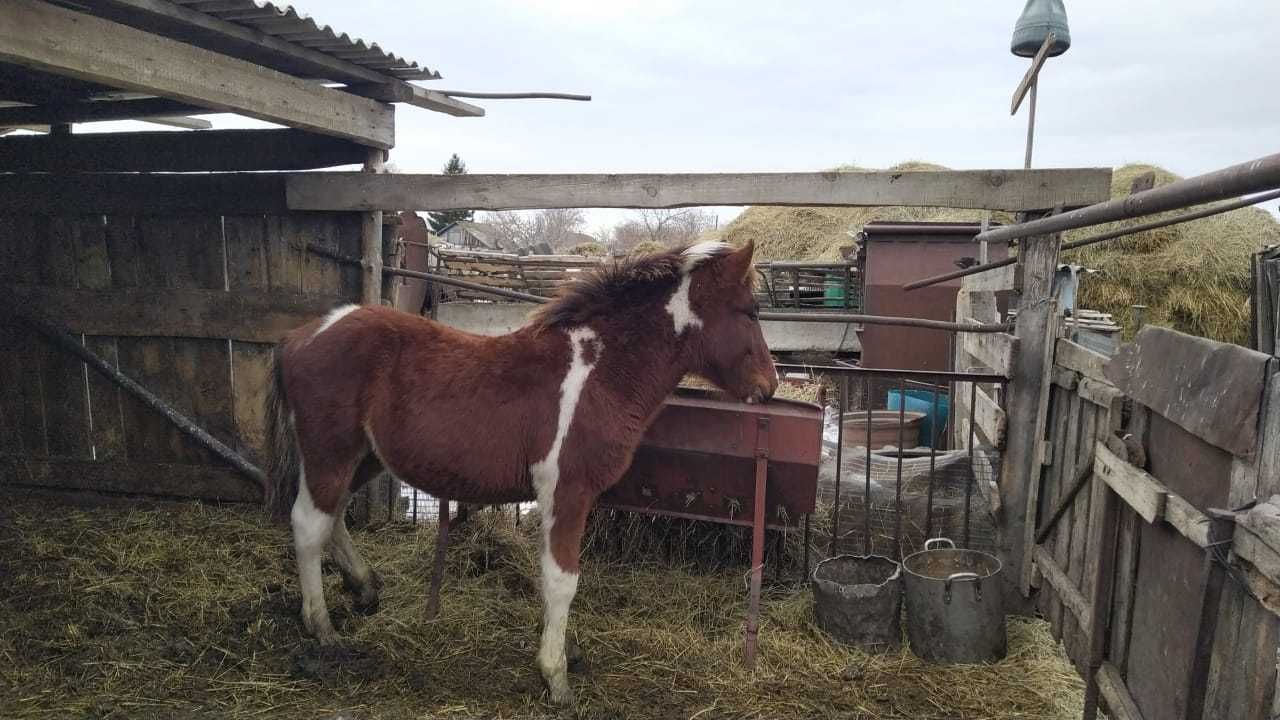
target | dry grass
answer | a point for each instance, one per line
(1193, 277)
(191, 610)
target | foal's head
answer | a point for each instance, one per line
(723, 324)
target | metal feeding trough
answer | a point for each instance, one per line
(706, 457)
(955, 612)
(857, 599)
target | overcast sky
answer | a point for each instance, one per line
(739, 86)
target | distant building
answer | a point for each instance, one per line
(472, 236)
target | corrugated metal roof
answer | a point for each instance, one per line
(286, 23)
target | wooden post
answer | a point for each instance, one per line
(1028, 403)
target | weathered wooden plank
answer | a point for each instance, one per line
(1029, 78)
(1074, 638)
(124, 193)
(1065, 379)
(1220, 694)
(53, 39)
(1100, 568)
(995, 350)
(1128, 550)
(1037, 326)
(995, 280)
(1193, 524)
(1251, 548)
(1081, 359)
(984, 189)
(989, 418)
(63, 380)
(159, 479)
(1120, 704)
(320, 275)
(1100, 394)
(1071, 597)
(259, 316)
(1143, 493)
(402, 92)
(1064, 435)
(211, 151)
(247, 241)
(1210, 389)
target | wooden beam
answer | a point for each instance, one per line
(1067, 592)
(1081, 359)
(53, 39)
(96, 110)
(180, 121)
(205, 482)
(403, 92)
(989, 418)
(995, 350)
(983, 189)
(57, 194)
(1029, 78)
(1120, 704)
(249, 316)
(228, 38)
(1139, 489)
(1099, 393)
(995, 280)
(212, 151)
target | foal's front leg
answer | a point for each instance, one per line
(562, 526)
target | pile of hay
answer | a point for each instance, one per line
(818, 233)
(1193, 277)
(191, 610)
(588, 249)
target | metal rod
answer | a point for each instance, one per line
(866, 498)
(1102, 237)
(933, 459)
(446, 280)
(941, 375)
(1064, 503)
(515, 95)
(1031, 124)
(968, 490)
(61, 339)
(841, 403)
(897, 491)
(1248, 177)
(885, 320)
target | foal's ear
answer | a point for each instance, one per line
(736, 266)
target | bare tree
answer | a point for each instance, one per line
(675, 227)
(556, 227)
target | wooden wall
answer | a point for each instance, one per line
(1173, 613)
(186, 303)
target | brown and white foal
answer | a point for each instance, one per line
(552, 411)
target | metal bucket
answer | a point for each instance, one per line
(955, 611)
(857, 599)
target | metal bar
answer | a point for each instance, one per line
(1081, 479)
(866, 498)
(842, 403)
(1248, 177)
(515, 95)
(885, 320)
(933, 459)
(757, 542)
(61, 339)
(968, 493)
(942, 375)
(437, 570)
(1103, 237)
(897, 491)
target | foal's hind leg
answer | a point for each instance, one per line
(357, 577)
(311, 530)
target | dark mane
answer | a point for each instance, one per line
(629, 282)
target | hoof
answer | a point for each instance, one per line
(365, 603)
(562, 697)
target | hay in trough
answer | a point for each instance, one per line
(1193, 277)
(192, 611)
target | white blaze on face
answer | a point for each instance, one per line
(680, 306)
(333, 317)
(559, 586)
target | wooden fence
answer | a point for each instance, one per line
(186, 303)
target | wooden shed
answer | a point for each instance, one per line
(170, 258)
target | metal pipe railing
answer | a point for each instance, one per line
(1103, 237)
(1248, 177)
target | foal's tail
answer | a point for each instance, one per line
(282, 445)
